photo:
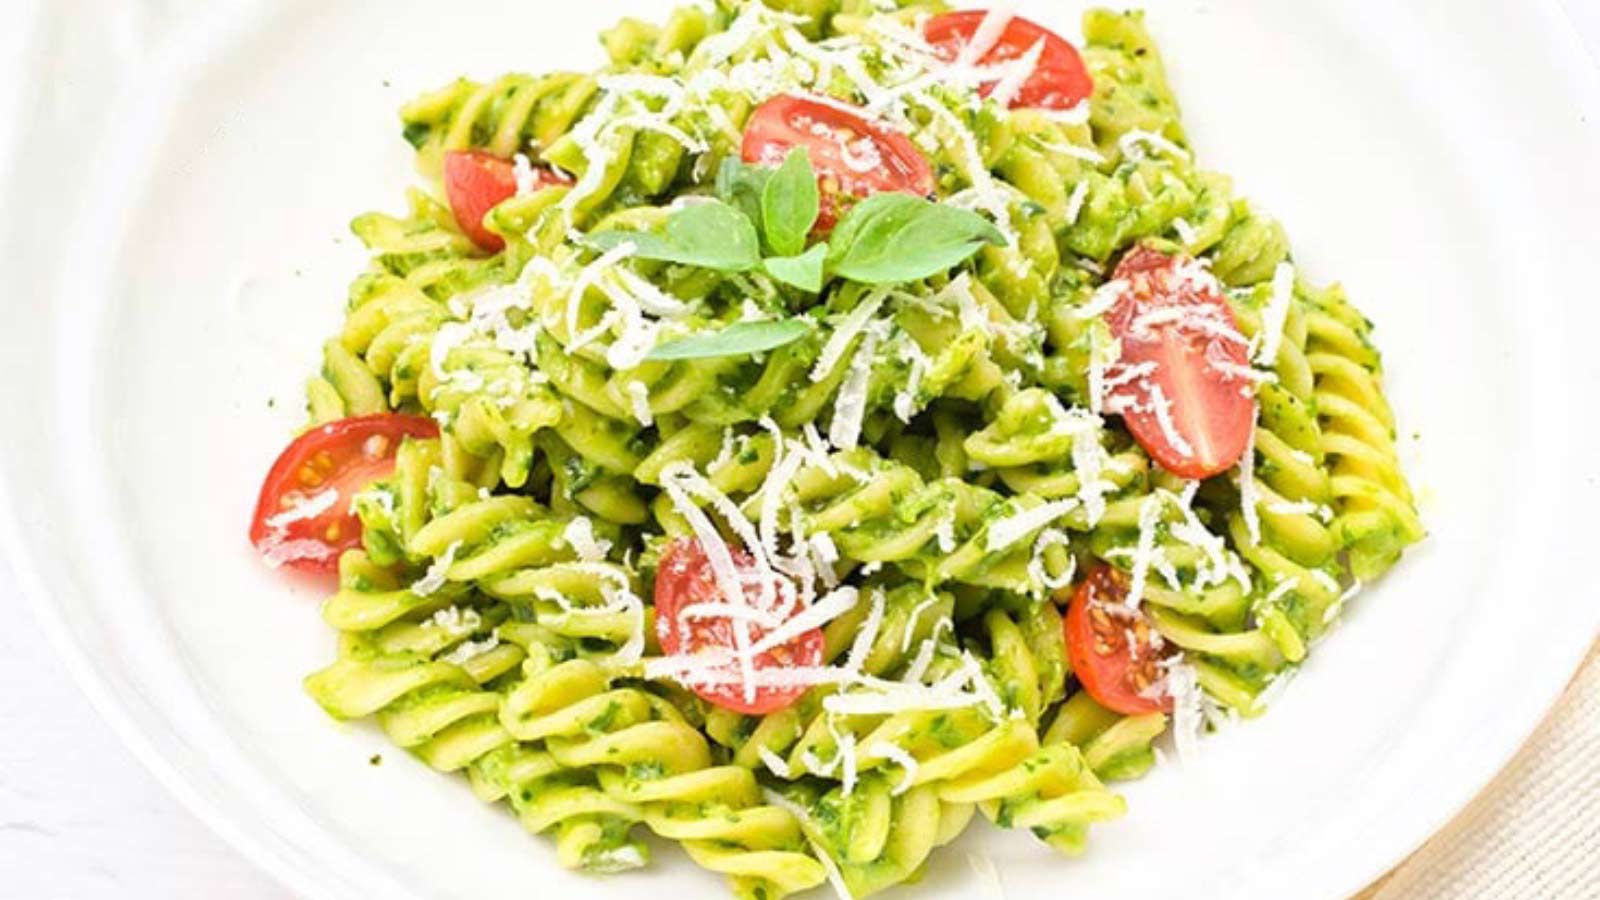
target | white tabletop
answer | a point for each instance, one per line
(80, 819)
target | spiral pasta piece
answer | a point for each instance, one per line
(1052, 793)
(653, 766)
(874, 838)
(506, 116)
(1115, 747)
(1376, 517)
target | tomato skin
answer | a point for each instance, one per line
(685, 577)
(1060, 81)
(344, 457)
(476, 182)
(884, 161)
(1199, 362)
(1110, 676)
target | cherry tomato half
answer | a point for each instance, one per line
(1115, 653)
(1182, 382)
(476, 182)
(1059, 81)
(685, 578)
(303, 518)
(853, 157)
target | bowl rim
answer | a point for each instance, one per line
(157, 85)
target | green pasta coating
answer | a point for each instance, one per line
(931, 449)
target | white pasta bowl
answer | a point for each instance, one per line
(1437, 159)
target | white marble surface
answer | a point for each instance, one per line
(80, 819)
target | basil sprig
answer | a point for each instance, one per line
(885, 239)
(894, 238)
(806, 271)
(790, 203)
(738, 339)
(743, 186)
(709, 234)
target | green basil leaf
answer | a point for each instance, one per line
(742, 186)
(710, 235)
(894, 238)
(646, 244)
(804, 271)
(738, 339)
(716, 236)
(790, 203)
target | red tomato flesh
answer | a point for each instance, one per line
(1059, 81)
(685, 578)
(1182, 382)
(303, 518)
(476, 182)
(852, 156)
(1115, 652)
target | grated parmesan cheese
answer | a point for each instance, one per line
(580, 534)
(308, 508)
(1089, 459)
(720, 558)
(774, 763)
(905, 401)
(944, 532)
(919, 664)
(897, 755)
(1144, 549)
(850, 406)
(1080, 193)
(455, 621)
(1005, 532)
(1278, 592)
(867, 634)
(845, 754)
(468, 650)
(832, 605)
(1188, 709)
(914, 619)
(1249, 497)
(1133, 144)
(988, 34)
(1087, 154)
(1051, 537)
(590, 277)
(1277, 683)
(808, 828)
(275, 551)
(618, 859)
(639, 402)
(1276, 313)
(1186, 232)
(434, 578)
(1104, 297)
(1326, 580)
(1021, 70)
(852, 325)
(522, 169)
(1333, 610)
